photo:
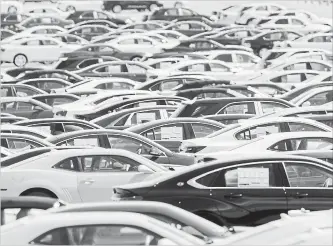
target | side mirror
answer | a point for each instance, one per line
(155, 152)
(145, 169)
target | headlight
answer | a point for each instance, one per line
(248, 45)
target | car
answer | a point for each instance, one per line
(314, 97)
(207, 92)
(161, 63)
(107, 50)
(9, 20)
(17, 142)
(134, 70)
(89, 31)
(308, 64)
(4, 153)
(233, 36)
(26, 206)
(228, 119)
(131, 117)
(16, 71)
(118, 6)
(46, 84)
(325, 155)
(56, 126)
(170, 14)
(268, 88)
(240, 133)
(56, 99)
(89, 14)
(93, 171)
(18, 90)
(46, 10)
(115, 139)
(44, 20)
(325, 119)
(72, 5)
(134, 228)
(179, 55)
(32, 49)
(116, 33)
(314, 41)
(95, 22)
(203, 19)
(146, 25)
(24, 130)
(264, 41)
(5, 33)
(25, 107)
(170, 34)
(11, 119)
(51, 73)
(217, 183)
(189, 28)
(232, 105)
(70, 39)
(81, 61)
(171, 132)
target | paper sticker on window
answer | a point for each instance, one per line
(171, 133)
(147, 104)
(253, 177)
(86, 142)
(145, 117)
(3, 92)
(46, 129)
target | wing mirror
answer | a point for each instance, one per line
(155, 152)
(145, 169)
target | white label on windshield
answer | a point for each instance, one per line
(145, 117)
(46, 129)
(253, 177)
(86, 142)
(171, 133)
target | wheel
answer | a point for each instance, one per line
(263, 52)
(70, 8)
(12, 9)
(20, 60)
(136, 58)
(38, 193)
(117, 8)
(153, 7)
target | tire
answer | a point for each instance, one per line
(20, 60)
(70, 8)
(136, 58)
(12, 9)
(153, 7)
(117, 8)
(262, 52)
(38, 193)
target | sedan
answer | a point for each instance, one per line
(314, 41)
(93, 172)
(118, 6)
(114, 139)
(43, 21)
(229, 192)
(314, 97)
(89, 31)
(189, 28)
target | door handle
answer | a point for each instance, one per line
(301, 195)
(88, 181)
(232, 195)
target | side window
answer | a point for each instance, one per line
(86, 63)
(104, 234)
(256, 175)
(130, 144)
(282, 21)
(132, 68)
(297, 22)
(170, 84)
(303, 144)
(169, 132)
(306, 175)
(269, 107)
(241, 58)
(108, 164)
(239, 108)
(24, 106)
(318, 67)
(70, 164)
(202, 130)
(224, 57)
(21, 144)
(71, 127)
(128, 41)
(214, 67)
(195, 68)
(144, 117)
(299, 127)
(258, 131)
(84, 141)
(319, 99)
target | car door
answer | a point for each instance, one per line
(308, 185)
(270, 107)
(136, 72)
(51, 48)
(250, 194)
(102, 172)
(139, 147)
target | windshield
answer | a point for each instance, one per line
(229, 128)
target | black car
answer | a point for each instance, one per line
(228, 119)
(189, 28)
(170, 14)
(82, 61)
(56, 126)
(171, 132)
(43, 20)
(122, 69)
(100, 49)
(234, 36)
(51, 73)
(232, 105)
(106, 23)
(9, 20)
(229, 192)
(127, 103)
(79, 16)
(115, 139)
(265, 40)
(118, 6)
(56, 99)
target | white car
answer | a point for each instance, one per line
(11, 7)
(33, 49)
(163, 63)
(241, 133)
(237, 58)
(70, 39)
(315, 97)
(46, 20)
(188, 26)
(103, 84)
(212, 68)
(46, 84)
(299, 64)
(4, 151)
(94, 228)
(46, 10)
(314, 41)
(295, 24)
(168, 43)
(25, 130)
(70, 5)
(147, 25)
(170, 34)
(86, 174)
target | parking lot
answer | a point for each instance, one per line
(166, 122)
